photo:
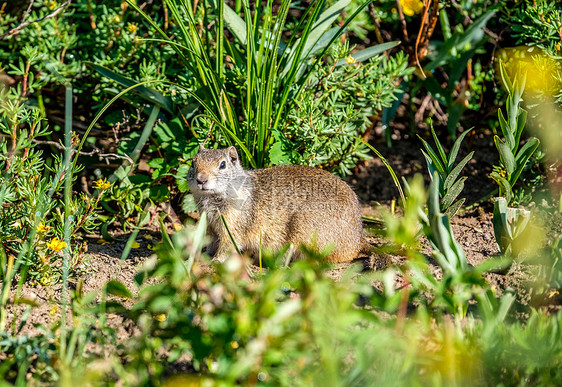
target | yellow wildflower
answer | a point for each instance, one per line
(56, 244)
(411, 7)
(135, 245)
(51, 5)
(131, 27)
(558, 46)
(160, 317)
(46, 280)
(349, 59)
(54, 309)
(102, 184)
(43, 228)
(177, 226)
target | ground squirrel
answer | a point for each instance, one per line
(274, 206)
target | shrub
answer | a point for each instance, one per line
(34, 205)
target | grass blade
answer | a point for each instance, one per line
(455, 149)
(439, 147)
(147, 93)
(433, 156)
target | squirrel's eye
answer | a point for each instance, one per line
(223, 165)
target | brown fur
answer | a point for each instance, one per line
(274, 206)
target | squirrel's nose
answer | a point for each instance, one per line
(202, 179)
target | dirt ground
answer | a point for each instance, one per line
(473, 230)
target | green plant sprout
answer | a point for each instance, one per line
(509, 223)
(442, 167)
(513, 158)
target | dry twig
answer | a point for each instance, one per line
(94, 152)
(427, 27)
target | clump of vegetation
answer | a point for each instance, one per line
(335, 109)
(37, 214)
(260, 101)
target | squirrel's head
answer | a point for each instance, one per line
(215, 171)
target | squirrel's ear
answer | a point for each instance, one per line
(201, 147)
(232, 153)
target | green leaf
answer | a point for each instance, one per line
(370, 52)
(325, 39)
(233, 22)
(432, 170)
(523, 156)
(439, 147)
(505, 77)
(313, 35)
(444, 53)
(450, 254)
(157, 163)
(456, 171)
(458, 66)
(147, 93)
(504, 186)
(493, 264)
(166, 241)
(433, 207)
(506, 157)
(452, 193)
(474, 32)
(161, 304)
(512, 109)
(432, 156)
(456, 109)
(130, 241)
(278, 155)
(118, 289)
(281, 150)
(159, 193)
(188, 204)
(454, 208)
(105, 233)
(499, 220)
(459, 41)
(324, 21)
(455, 149)
(521, 121)
(181, 178)
(506, 131)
